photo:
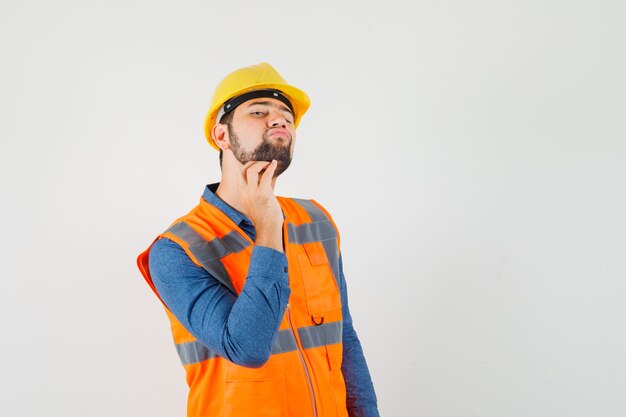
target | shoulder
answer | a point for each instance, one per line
(322, 208)
(164, 247)
(317, 213)
(315, 209)
(165, 255)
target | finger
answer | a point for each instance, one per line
(247, 165)
(243, 170)
(257, 167)
(269, 173)
(252, 174)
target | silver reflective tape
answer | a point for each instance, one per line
(324, 334)
(313, 336)
(332, 253)
(186, 233)
(323, 232)
(194, 352)
(284, 342)
(235, 242)
(311, 232)
(210, 253)
(314, 212)
(215, 267)
(320, 230)
(216, 248)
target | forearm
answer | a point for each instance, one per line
(241, 329)
(360, 394)
(252, 323)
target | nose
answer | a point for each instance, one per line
(276, 119)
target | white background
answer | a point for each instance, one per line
(472, 154)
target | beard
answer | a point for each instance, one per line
(265, 151)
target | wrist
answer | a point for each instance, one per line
(269, 228)
(271, 237)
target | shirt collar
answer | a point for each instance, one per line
(212, 198)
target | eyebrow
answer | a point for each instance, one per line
(275, 105)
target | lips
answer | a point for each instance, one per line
(281, 132)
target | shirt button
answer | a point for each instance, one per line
(286, 269)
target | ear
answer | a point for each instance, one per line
(220, 136)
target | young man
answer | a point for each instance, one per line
(253, 283)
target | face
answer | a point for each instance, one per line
(262, 129)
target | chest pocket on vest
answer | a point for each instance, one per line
(318, 278)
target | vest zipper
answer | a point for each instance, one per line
(306, 369)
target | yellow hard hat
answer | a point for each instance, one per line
(254, 77)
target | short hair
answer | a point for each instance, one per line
(226, 119)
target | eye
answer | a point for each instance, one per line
(257, 113)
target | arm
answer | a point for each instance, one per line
(241, 329)
(361, 397)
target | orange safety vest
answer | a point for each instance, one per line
(303, 374)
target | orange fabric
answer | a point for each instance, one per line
(218, 387)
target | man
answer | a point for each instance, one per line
(253, 283)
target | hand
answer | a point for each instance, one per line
(260, 203)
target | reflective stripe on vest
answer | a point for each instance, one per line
(320, 230)
(322, 335)
(194, 352)
(210, 253)
(284, 342)
(311, 337)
